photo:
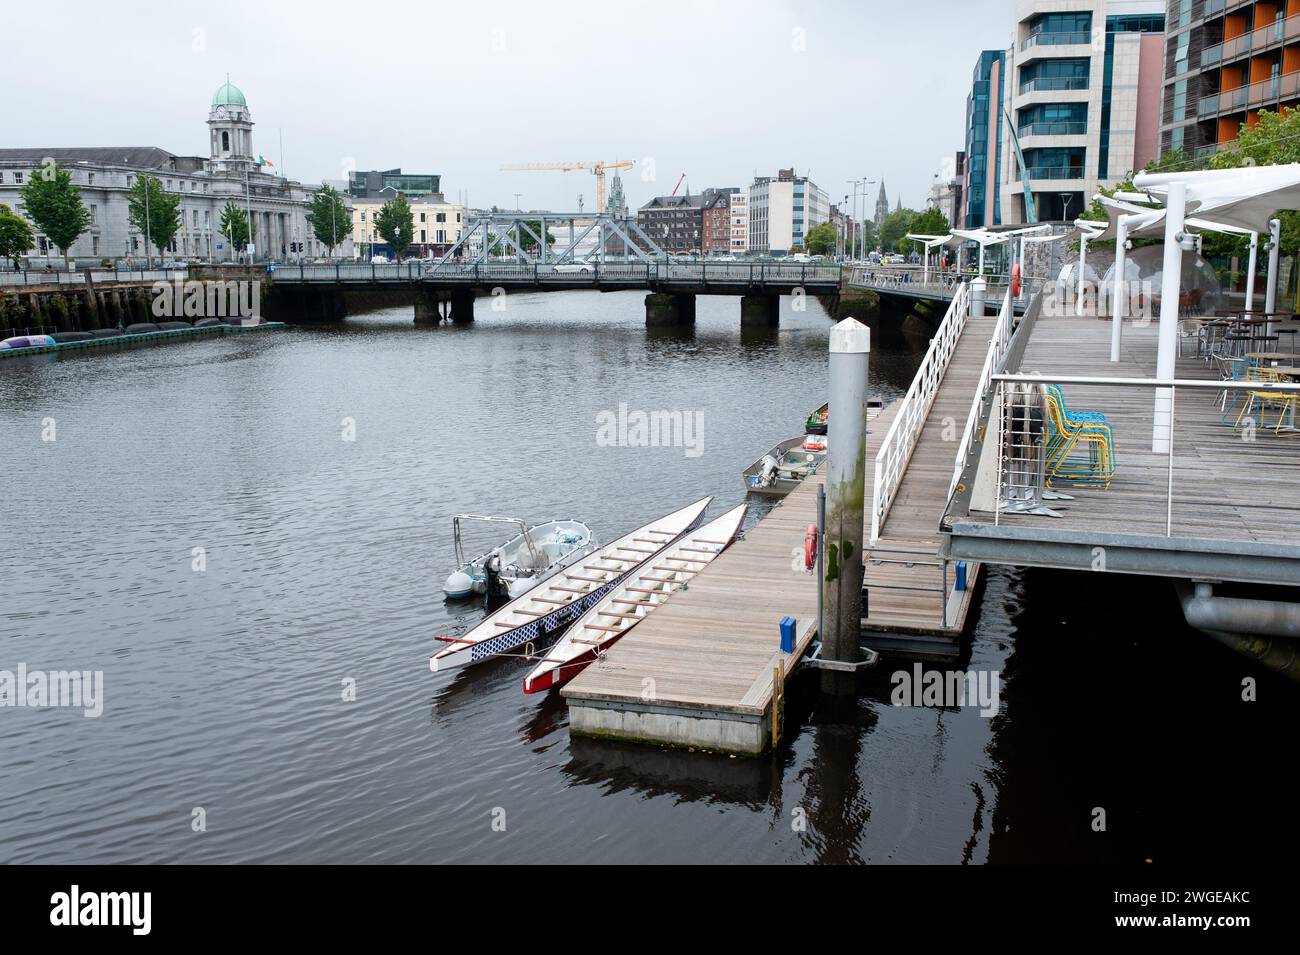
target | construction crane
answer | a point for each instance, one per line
(679, 185)
(597, 168)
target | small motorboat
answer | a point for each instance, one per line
(516, 566)
(630, 602)
(781, 470)
(816, 423)
(540, 615)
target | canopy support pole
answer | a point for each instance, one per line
(1078, 286)
(1270, 290)
(1119, 294)
(1170, 288)
(1250, 271)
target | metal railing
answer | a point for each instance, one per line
(908, 558)
(1049, 128)
(704, 272)
(42, 277)
(1056, 39)
(1053, 84)
(896, 450)
(1055, 172)
(1172, 387)
(999, 345)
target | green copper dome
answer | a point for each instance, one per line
(229, 95)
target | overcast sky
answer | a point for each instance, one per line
(717, 90)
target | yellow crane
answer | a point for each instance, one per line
(596, 166)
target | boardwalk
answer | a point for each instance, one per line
(709, 653)
(1231, 497)
(699, 672)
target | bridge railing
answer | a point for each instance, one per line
(999, 345)
(540, 273)
(41, 277)
(896, 450)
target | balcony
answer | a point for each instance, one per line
(1056, 39)
(1054, 84)
(1062, 128)
(1055, 172)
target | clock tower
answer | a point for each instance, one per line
(230, 128)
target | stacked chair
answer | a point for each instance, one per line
(1080, 444)
(1258, 403)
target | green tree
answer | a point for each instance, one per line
(16, 235)
(53, 202)
(330, 219)
(928, 222)
(896, 225)
(1273, 140)
(234, 223)
(155, 212)
(527, 241)
(821, 239)
(393, 223)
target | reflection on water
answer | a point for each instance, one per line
(324, 561)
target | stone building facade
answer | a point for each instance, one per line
(232, 172)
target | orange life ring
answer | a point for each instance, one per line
(1015, 280)
(810, 547)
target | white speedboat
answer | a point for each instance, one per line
(631, 601)
(540, 615)
(516, 566)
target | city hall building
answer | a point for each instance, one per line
(231, 172)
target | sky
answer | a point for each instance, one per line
(720, 91)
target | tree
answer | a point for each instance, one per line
(929, 222)
(896, 225)
(234, 223)
(527, 241)
(1271, 141)
(393, 223)
(330, 219)
(156, 213)
(53, 202)
(821, 239)
(16, 235)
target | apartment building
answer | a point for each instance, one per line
(783, 209)
(1072, 105)
(1225, 60)
(739, 212)
(435, 227)
(716, 220)
(675, 223)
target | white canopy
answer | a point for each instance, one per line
(1245, 197)
(929, 241)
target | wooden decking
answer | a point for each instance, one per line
(708, 656)
(1225, 488)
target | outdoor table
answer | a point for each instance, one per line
(1271, 357)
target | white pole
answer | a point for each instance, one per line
(981, 258)
(1250, 271)
(1270, 290)
(1078, 290)
(1118, 299)
(1170, 287)
(925, 275)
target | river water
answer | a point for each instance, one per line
(225, 735)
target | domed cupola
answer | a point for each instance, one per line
(231, 129)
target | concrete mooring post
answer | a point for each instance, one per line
(846, 475)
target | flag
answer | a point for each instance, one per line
(263, 161)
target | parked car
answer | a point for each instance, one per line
(379, 260)
(572, 268)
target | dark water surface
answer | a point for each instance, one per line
(325, 559)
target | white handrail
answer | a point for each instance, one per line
(998, 346)
(896, 450)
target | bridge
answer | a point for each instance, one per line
(447, 290)
(516, 252)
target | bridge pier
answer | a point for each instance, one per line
(762, 310)
(428, 307)
(462, 306)
(666, 308)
